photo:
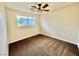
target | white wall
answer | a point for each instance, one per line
(16, 33)
(78, 33)
(78, 25)
(3, 34)
(61, 24)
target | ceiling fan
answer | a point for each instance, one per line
(39, 7)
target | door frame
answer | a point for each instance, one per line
(3, 32)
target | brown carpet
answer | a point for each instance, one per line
(41, 45)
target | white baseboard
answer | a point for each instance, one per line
(59, 38)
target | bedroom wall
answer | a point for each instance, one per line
(16, 33)
(62, 23)
(78, 23)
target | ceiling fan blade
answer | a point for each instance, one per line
(45, 5)
(46, 10)
(34, 6)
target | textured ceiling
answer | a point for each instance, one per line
(25, 6)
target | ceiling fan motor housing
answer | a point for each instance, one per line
(39, 4)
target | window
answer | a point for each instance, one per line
(26, 21)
